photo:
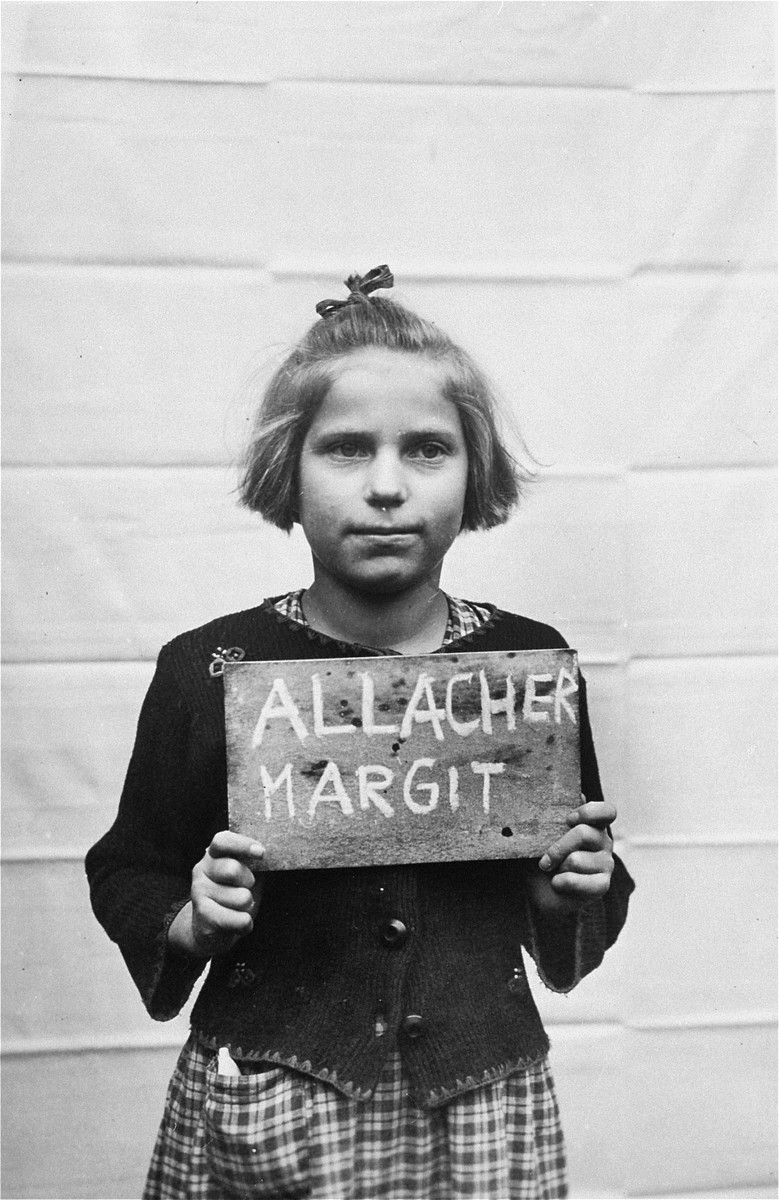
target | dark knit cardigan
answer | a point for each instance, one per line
(314, 986)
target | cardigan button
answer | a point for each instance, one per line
(518, 983)
(393, 933)
(413, 1025)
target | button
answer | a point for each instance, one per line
(393, 933)
(518, 983)
(413, 1025)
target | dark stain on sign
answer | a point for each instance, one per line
(315, 770)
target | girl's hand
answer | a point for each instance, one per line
(576, 869)
(224, 898)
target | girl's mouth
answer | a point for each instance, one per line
(386, 531)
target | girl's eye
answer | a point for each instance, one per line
(430, 451)
(346, 450)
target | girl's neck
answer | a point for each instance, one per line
(411, 622)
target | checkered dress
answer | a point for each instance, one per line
(276, 1133)
(464, 616)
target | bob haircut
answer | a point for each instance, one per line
(269, 479)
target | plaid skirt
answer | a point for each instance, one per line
(278, 1133)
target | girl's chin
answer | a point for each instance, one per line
(381, 586)
(379, 576)
(383, 583)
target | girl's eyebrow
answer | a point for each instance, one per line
(344, 432)
(429, 434)
(341, 433)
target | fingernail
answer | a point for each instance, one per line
(545, 863)
(256, 850)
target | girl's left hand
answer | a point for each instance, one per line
(577, 868)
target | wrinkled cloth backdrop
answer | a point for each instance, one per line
(583, 193)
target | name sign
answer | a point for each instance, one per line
(396, 759)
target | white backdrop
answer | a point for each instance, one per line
(583, 194)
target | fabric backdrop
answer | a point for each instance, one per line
(583, 194)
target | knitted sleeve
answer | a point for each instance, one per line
(567, 948)
(140, 871)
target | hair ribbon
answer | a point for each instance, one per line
(360, 286)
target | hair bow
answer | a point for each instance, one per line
(360, 286)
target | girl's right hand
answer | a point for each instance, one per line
(224, 898)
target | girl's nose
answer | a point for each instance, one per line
(386, 485)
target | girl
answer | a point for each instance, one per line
(362, 1033)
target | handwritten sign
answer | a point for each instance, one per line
(360, 761)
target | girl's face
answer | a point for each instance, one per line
(383, 473)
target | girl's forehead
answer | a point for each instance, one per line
(372, 383)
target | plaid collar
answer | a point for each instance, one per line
(465, 617)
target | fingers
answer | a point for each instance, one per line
(227, 844)
(217, 919)
(221, 915)
(579, 865)
(233, 859)
(587, 862)
(226, 891)
(598, 813)
(227, 872)
(227, 882)
(215, 929)
(580, 838)
(581, 887)
(240, 899)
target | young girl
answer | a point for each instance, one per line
(362, 1033)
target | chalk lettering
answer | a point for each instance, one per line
(486, 770)
(529, 713)
(490, 707)
(371, 788)
(454, 789)
(270, 786)
(369, 726)
(431, 714)
(461, 727)
(285, 709)
(431, 788)
(331, 776)
(560, 700)
(320, 729)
